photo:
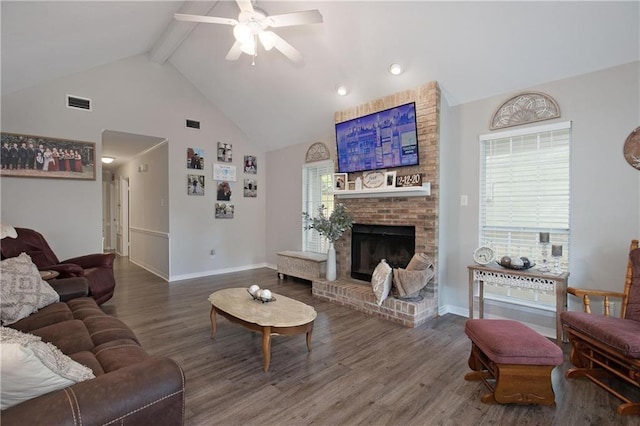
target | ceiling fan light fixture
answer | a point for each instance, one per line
(242, 33)
(395, 69)
(268, 39)
(107, 160)
(342, 89)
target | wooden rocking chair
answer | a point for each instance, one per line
(604, 347)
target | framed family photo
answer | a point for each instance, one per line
(339, 181)
(45, 157)
(390, 179)
(195, 158)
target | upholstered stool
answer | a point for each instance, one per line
(516, 358)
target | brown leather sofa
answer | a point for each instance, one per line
(131, 387)
(97, 268)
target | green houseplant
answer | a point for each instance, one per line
(331, 227)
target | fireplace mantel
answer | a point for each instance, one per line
(406, 191)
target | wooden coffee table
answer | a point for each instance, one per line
(283, 316)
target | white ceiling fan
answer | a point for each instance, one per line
(252, 25)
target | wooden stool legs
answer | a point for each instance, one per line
(513, 383)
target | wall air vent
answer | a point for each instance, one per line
(76, 102)
(193, 124)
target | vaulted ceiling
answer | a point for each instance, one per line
(473, 49)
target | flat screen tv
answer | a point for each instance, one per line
(381, 140)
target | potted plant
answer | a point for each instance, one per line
(332, 228)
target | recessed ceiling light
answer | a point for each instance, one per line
(342, 89)
(395, 69)
(107, 160)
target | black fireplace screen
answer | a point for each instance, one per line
(371, 243)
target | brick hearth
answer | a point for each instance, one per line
(358, 295)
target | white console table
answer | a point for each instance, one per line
(531, 279)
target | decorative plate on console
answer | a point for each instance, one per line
(373, 179)
(483, 255)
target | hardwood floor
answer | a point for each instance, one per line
(361, 371)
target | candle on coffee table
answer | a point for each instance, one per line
(556, 250)
(544, 237)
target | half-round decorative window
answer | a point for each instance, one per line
(525, 108)
(317, 152)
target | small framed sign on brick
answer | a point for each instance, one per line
(409, 180)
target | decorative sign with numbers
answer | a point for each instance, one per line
(409, 180)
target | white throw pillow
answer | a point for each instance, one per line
(30, 367)
(381, 281)
(22, 291)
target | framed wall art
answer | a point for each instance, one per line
(339, 181)
(45, 157)
(390, 179)
(224, 191)
(224, 172)
(195, 158)
(251, 188)
(224, 211)
(195, 184)
(225, 152)
(250, 164)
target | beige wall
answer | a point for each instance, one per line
(137, 96)
(604, 107)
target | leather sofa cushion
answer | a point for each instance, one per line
(89, 359)
(118, 354)
(103, 329)
(619, 333)
(54, 313)
(68, 336)
(84, 307)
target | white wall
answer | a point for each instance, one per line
(604, 108)
(136, 96)
(149, 209)
(284, 206)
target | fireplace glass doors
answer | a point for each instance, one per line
(372, 243)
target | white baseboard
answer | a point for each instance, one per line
(150, 269)
(174, 278)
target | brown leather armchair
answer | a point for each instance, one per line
(96, 268)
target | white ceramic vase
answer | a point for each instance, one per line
(331, 263)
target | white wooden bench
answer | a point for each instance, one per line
(302, 264)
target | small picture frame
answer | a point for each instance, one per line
(195, 185)
(339, 181)
(390, 179)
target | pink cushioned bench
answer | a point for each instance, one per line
(516, 358)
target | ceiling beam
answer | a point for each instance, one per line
(177, 31)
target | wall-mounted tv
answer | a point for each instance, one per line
(381, 140)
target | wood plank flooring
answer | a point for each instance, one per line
(361, 371)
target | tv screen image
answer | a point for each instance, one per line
(381, 140)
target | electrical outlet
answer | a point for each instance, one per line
(464, 200)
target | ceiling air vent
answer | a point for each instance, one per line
(76, 102)
(193, 124)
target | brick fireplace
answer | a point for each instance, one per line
(420, 212)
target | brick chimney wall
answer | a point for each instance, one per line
(421, 212)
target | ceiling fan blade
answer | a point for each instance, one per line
(295, 18)
(234, 52)
(286, 49)
(245, 5)
(205, 19)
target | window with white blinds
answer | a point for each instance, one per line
(524, 190)
(317, 190)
